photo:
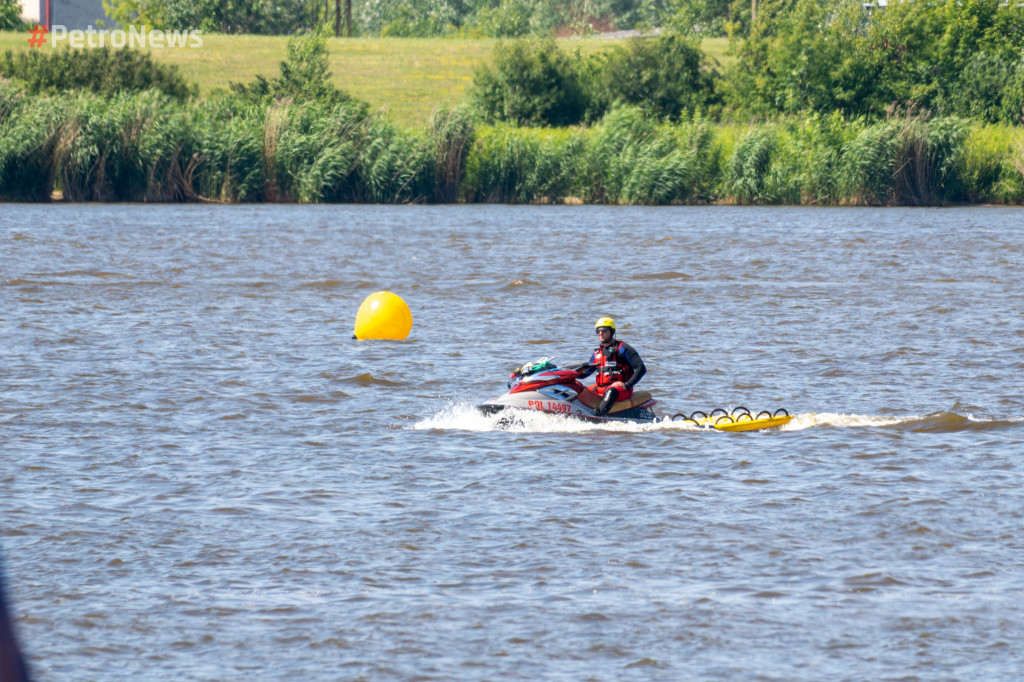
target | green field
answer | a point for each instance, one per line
(409, 77)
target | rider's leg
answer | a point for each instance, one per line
(610, 396)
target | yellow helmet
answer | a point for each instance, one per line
(605, 322)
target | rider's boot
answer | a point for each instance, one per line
(606, 402)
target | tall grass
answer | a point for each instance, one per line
(762, 168)
(452, 134)
(149, 147)
(632, 160)
(28, 135)
(227, 162)
(819, 143)
(992, 164)
(106, 149)
(906, 162)
(523, 165)
(146, 147)
(625, 159)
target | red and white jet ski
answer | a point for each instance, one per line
(543, 387)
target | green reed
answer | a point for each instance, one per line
(150, 147)
(634, 160)
(760, 169)
(28, 135)
(338, 153)
(105, 147)
(515, 165)
(451, 133)
(227, 162)
(992, 164)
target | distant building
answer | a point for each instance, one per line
(30, 11)
(72, 14)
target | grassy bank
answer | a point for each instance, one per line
(146, 147)
(409, 77)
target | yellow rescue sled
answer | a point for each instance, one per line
(740, 419)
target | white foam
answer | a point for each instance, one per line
(812, 419)
(465, 417)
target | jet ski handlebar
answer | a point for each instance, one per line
(544, 364)
(579, 367)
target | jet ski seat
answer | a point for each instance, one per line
(592, 400)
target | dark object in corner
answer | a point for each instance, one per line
(12, 665)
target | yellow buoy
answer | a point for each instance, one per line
(383, 315)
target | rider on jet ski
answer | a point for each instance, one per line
(617, 364)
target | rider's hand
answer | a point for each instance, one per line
(619, 385)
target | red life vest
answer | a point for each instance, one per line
(610, 366)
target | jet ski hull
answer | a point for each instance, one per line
(561, 401)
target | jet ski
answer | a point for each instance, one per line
(542, 386)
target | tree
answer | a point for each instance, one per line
(337, 18)
(10, 15)
(699, 17)
(266, 17)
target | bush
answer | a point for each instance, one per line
(304, 76)
(102, 71)
(531, 82)
(805, 56)
(706, 17)
(409, 18)
(663, 76)
(508, 19)
(261, 17)
(949, 57)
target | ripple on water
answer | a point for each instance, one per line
(203, 478)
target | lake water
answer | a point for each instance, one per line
(203, 477)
